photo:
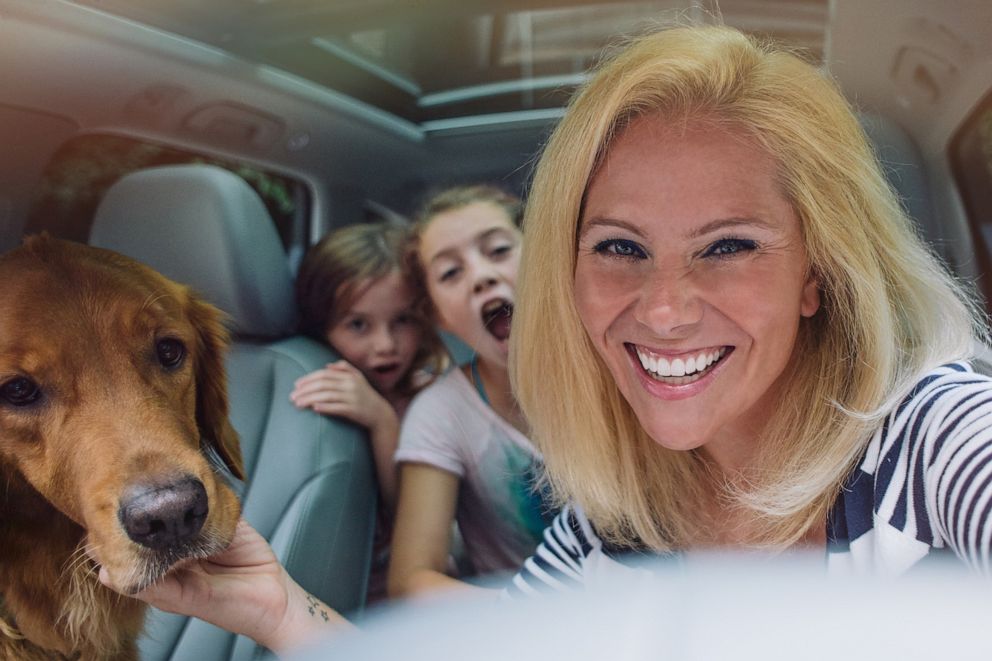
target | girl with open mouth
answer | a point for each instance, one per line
(354, 293)
(463, 450)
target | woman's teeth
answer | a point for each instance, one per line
(679, 371)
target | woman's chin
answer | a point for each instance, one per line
(673, 437)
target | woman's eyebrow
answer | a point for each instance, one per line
(708, 228)
(724, 223)
(598, 221)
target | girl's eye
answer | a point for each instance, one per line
(500, 251)
(449, 273)
(620, 248)
(357, 325)
(729, 247)
(404, 319)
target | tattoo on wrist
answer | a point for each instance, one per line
(317, 608)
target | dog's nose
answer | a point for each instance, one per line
(164, 516)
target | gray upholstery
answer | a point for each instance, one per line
(903, 166)
(235, 259)
(310, 487)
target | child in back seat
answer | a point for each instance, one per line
(354, 293)
(464, 452)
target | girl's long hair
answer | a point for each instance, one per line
(340, 266)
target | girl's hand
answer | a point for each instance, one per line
(244, 590)
(341, 389)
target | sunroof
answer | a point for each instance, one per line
(438, 62)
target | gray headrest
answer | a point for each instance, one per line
(204, 227)
(903, 166)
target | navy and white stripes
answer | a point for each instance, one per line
(924, 485)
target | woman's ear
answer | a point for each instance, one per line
(211, 385)
(809, 299)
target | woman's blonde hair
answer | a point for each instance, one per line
(340, 266)
(889, 310)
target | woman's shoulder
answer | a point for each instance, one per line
(949, 384)
(950, 402)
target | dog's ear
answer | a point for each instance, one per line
(211, 385)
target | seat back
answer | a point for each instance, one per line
(310, 489)
(903, 166)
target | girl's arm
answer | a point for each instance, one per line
(340, 389)
(422, 532)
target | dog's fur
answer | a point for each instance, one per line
(85, 325)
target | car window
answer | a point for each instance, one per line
(83, 168)
(970, 154)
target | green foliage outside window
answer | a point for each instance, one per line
(80, 173)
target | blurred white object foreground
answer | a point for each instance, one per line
(735, 608)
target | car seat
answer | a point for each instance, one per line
(310, 489)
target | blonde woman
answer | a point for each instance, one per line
(726, 335)
(748, 344)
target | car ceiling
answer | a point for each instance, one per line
(377, 99)
(442, 63)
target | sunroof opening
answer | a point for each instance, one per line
(454, 61)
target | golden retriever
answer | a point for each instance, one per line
(112, 404)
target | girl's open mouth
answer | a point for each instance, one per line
(496, 317)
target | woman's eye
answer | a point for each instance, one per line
(622, 248)
(729, 247)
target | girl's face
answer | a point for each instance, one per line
(470, 257)
(691, 280)
(379, 333)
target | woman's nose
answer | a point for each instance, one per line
(668, 303)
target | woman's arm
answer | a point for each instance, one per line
(244, 590)
(422, 533)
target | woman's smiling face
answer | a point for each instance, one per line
(691, 279)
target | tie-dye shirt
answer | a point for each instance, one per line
(500, 513)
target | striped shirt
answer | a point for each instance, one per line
(923, 487)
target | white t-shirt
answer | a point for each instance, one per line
(500, 513)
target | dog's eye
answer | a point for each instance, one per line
(20, 391)
(170, 352)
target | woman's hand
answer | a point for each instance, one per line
(341, 389)
(244, 590)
